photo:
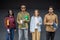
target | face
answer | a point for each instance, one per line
(36, 13)
(10, 12)
(50, 10)
(23, 8)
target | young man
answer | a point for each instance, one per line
(51, 23)
(23, 19)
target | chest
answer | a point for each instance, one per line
(36, 19)
(23, 16)
(11, 19)
(51, 18)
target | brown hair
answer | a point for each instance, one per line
(38, 12)
(51, 7)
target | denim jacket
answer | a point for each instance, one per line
(32, 24)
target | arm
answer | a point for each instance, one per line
(45, 21)
(28, 18)
(5, 22)
(40, 21)
(56, 20)
(31, 24)
(14, 24)
(18, 19)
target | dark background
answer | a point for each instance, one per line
(42, 5)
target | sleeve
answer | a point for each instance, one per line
(18, 18)
(31, 24)
(28, 18)
(5, 20)
(56, 20)
(45, 20)
(40, 21)
(14, 24)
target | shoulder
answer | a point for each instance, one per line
(55, 15)
(46, 14)
(40, 17)
(32, 17)
(27, 13)
(19, 13)
(6, 18)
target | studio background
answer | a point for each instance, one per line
(42, 5)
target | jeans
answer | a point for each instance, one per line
(11, 35)
(50, 35)
(20, 32)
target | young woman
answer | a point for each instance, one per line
(10, 25)
(35, 25)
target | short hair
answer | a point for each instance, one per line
(51, 7)
(23, 6)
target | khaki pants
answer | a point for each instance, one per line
(36, 35)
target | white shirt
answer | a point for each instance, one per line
(36, 21)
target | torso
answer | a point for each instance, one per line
(50, 19)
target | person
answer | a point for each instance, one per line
(51, 23)
(10, 25)
(35, 25)
(23, 19)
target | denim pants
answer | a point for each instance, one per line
(11, 35)
(20, 32)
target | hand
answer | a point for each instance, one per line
(21, 21)
(24, 20)
(8, 30)
(15, 30)
(51, 23)
(37, 24)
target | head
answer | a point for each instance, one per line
(36, 12)
(10, 13)
(23, 8)
(51, 9)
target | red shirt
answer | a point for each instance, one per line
(11, 22)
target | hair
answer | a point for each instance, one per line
(23, 5)
(38, 12)
(9, 13)
(51, 7)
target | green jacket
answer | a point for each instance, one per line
(22, 16)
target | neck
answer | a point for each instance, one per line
(23, 11)
(36, 16)
(10, 16)
(51, 13)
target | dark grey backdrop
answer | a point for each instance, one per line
(42, 5)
